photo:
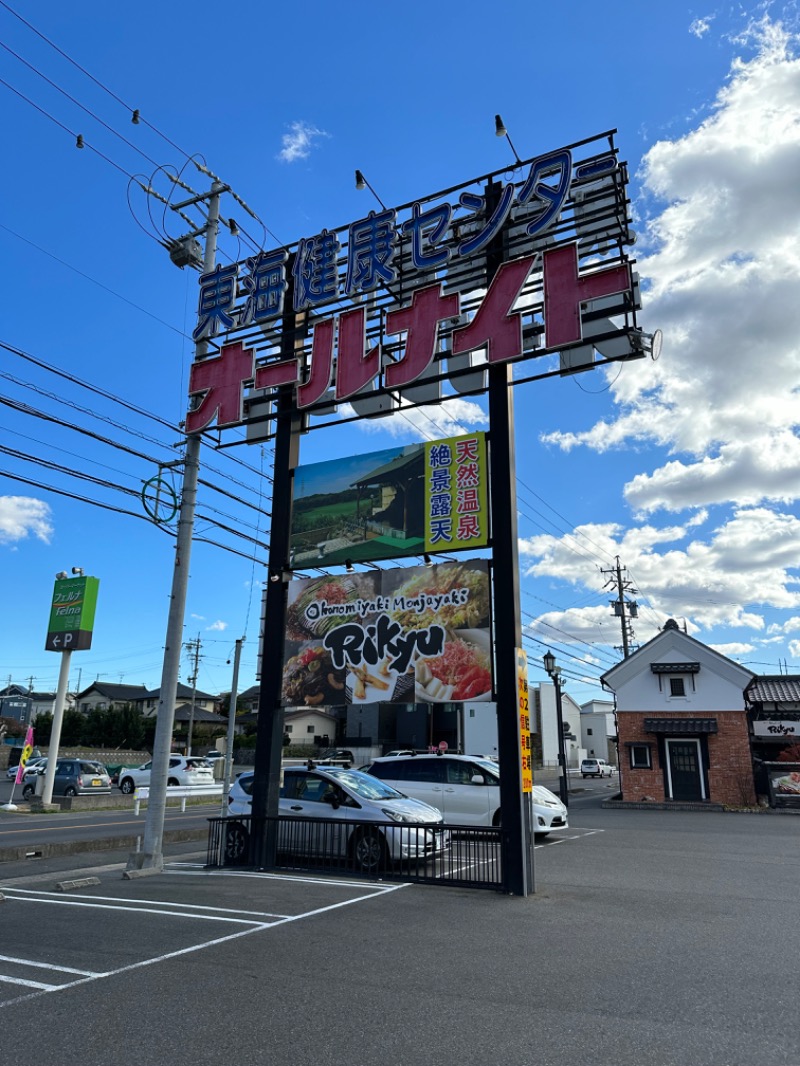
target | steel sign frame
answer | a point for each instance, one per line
(410, 316)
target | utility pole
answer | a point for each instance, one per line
(193, 645)
(623, 609)
(151, 858)
(226, 781)
(78, 689)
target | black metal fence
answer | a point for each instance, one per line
(443, 855)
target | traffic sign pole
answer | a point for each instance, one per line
(55, 733)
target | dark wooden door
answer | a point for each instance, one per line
(684, 770)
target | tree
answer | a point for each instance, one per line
(43, 727)
(11, 727)
(72, 728)
(790, 754)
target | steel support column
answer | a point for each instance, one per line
(515, 810)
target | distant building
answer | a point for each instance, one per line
(104, 696)
(546, 718)
(599, 730)
(38, 702)
(148, 701)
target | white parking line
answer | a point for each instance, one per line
(343, 882)
(153, 903)
(27, 984)
(49, 966)
(17, 894)
(46, 899)
(566, 840)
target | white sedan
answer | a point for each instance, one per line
(193, 770)
(31, 764)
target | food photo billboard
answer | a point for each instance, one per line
(417, 634)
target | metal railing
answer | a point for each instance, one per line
(444, 855)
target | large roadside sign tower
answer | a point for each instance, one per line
(514, 276)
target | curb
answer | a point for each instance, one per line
(79, 847)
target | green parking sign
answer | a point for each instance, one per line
(72, 614)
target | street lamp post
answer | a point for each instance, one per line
(554, 673)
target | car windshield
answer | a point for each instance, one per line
(489, 767)
(369, 788)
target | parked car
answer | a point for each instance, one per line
(465, 788)
(337, 794)
(214, 754)
(31, 764)
(335, 757)
(596, 768)
(194, 770)
(73, 777)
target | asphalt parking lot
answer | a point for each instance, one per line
(652, 938)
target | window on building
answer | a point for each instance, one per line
(309, 729)
(640, 757)
(677, 686)
(288, 728)
(588, 732)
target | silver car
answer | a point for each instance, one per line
(349, 798)
(73, 777)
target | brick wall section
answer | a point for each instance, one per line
(730, 772)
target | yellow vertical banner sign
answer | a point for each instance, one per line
(456, 508)
(523, 710)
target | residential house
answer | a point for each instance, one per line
(103, 695)
(148, 701)
(682, 723)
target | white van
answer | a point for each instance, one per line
(465, 788)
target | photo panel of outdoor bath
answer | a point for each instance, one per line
(418, 634)
(391, 504)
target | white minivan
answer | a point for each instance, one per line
(465, 788)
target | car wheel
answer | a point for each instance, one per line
(27, 791)
(237, 841)
(126, 785)
(70, 791)
(173, 781)
(368, 850)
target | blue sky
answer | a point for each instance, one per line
(686, 468)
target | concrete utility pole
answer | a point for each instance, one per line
(151, 858)
(193, 645)
(226, 781)
(623, 609)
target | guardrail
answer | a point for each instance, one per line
(181, 792)
(446, 855)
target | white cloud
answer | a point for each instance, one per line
(721, 271)
(23, 516)
(299, 141)
(198, 617)
(727, 579)
(217, 627)
(701, 26)
(733, 649)
(446, 419)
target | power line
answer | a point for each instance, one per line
(94, 281)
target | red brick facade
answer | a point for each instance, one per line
(729, 770)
